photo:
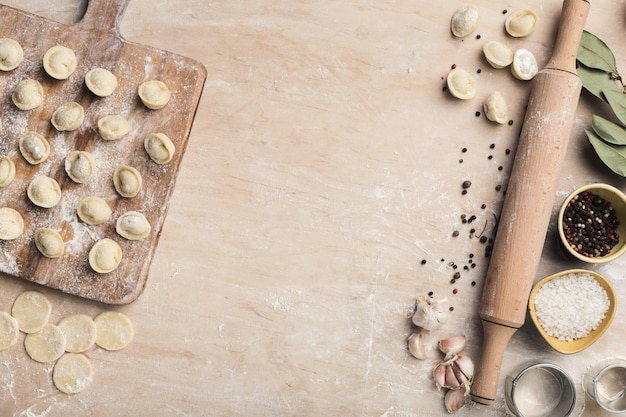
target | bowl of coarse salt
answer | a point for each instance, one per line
(592, 223)
(572, 309)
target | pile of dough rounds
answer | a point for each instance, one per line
(60, 63)
(63, 345)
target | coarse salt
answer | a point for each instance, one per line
(571, 306)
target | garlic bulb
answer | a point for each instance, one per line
(429, 313)
(416, 345)
(454, 373)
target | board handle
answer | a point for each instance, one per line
(103, 16)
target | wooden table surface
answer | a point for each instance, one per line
(322, 170)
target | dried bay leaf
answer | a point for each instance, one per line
(610, 132)
(617, 101)
(595, 81)
(613, 156)
(594, 53)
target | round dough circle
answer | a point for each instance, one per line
(154, 94)
(34, 147)
(79, 331)
(49, 242)
(133, 225)
(127, 181)
(72, 373)
(28, 94)
(45, 345)
(68, 116)
(11, 54)
(114, 330)
(113, 127)
(32, 310)
(79, 166)
(59, 62)
(9, 330)
(105, 256)
(93, 210)
(11, 224)
(7, 170)
(159, 147)
(101, 82)
(44, 191)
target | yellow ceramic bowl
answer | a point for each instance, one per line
(618, 201)
(578, 344)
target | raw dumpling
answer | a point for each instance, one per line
(7, 171)
(11, 54)
(497, 54)
(127, 181)
(68, 116)
(521, 23)
(113, 127)
(45, 345)
(464, 21)
(93, 210)
(49, 242)
(79, 166)
(59, 62)
(34, 147)
(524, 66)
(11, 224)
(32, 311)
(44, 191)
(101, 82)
(28, 94)
(133, 225)
(461, 84)
(79, 331)
(154, 94)
(72, 373)
(114, 330)
(105, 256)
(495, 108)
(159, 147)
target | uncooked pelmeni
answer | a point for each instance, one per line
(34, 147)
(72, 373)
(114, 330)
(45, 345)
(154, 94)
(49, 242)
(68, 116)
(495, 108)
(101, 82)
(464, 21)
(79, 166)
(497, 54)
(44, 191)
(105, 256)
(9, 330)
(159, 147)
(11, 224)
(7, 171)
(524, 66)
(133, 225)
(11, 54)
(521, 23)
(79, 331)
(32, 310)
(461, 84)
(59, 62)
(127, 181)
(113, 127)
(93, 210)
(28, 94)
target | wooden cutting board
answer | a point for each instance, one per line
(96, 42)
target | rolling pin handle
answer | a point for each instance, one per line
(495, 338)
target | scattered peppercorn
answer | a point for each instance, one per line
(498, 187)
(505, 11)
(490, 157)
(455, 233)
(507, 151)
(464, 192)
(478, 71)
(457, 275)
(464, 150)
(473, 283)
(483, 206)
(510, 122)
(451, 308)
(477, 114)
(493, 145)
(454, 291)
(500, 168)
(453, 66)
(423, 261)
(430, 293)
(466, 184)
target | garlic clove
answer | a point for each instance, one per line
(454, 400)
(452, 345)
(416, 345)
(452, 382)
(464, 369)
(439, 375)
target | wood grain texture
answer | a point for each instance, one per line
(97, 43)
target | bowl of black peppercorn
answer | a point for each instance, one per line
(592, 223)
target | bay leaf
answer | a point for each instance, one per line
(595, 81)
(617, 101)
(594, 53)
(610, 132)
(613, 156)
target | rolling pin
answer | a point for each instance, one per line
(527, 207)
